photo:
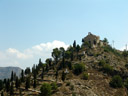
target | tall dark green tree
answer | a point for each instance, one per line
(27, 83)
(42, 74)
(74, 44)
(22, 76)
(77, 50)
(34, 83)
(1, 85)
(67, 54)
(63, 76)
(27, 70)
(56, 54)
(35, 74)
(71, 50)
(17, 83)
(62, 55)
(8, 85)
(49, 61)
(33, 68)
(56, 75)
(47, 68)
(5, 80)
(12, 89)
(37, 69)
(40, 63)
(12, 76)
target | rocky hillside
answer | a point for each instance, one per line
(85, 70)
(5, 72)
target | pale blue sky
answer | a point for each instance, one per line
(26, 23)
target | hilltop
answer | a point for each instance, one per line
(91, 69)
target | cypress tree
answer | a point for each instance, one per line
(11, 89)
(42, 75)
(8, 85)
(27, 84)
(56, 75)
(63, 76)
(74, 44)
(34, 83)
(77, 50)
(22, 76)
(17, 83)
(12, 76)
(1, 85)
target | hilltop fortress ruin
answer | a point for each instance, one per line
(93, 40)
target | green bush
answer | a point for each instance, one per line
(69, 64)
(102, 63)
(79, 68)
(125, 53)
(73, 94)
(45, 89)
(54, 86)
(107, 69)
(108, 48)
(116, 82)
(85, 76)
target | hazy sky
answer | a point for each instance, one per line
(26, 26)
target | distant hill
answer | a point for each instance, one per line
(5, 72)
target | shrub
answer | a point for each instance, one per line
(54, 86)
(69, 64)
(85, 76)
(45, 89)
(108, 48)
(107, 69)
(79, 68)
(125, 53)
(73, 94)
(116, 82)
(102, 63)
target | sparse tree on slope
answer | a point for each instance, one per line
(27, 84)
(45, 90)
(56, 54)
(12, 76)
(74, 44)
(11, 89)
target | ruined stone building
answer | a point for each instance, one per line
(93, 40)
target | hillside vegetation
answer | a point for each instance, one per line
(81, 70)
